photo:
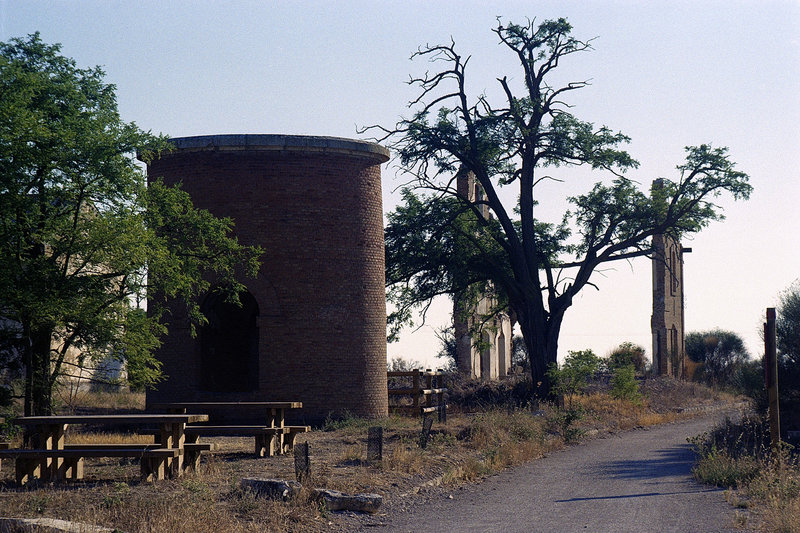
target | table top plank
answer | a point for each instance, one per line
(266, 405)
(112, 419)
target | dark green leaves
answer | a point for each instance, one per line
(83, 240)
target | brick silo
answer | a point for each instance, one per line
(312, 326)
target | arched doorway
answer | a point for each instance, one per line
(229, 344)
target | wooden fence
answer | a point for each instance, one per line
(417, 393)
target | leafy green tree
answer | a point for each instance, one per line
(721, 352)
(439, 242)
(83, 239)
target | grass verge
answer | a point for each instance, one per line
(765, 481)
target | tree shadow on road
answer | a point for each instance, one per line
(667, 462)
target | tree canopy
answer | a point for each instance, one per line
(722, 354)
(788, 326)
(439, 242)
(83, 240)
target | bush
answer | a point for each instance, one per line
(722, 354)
(626, 354)
(624, 386)
(399, 364)
(732, 452)
(471, 394)
(572, 377)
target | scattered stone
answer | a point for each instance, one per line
(338, 501)
(274, 489)
(48, 525)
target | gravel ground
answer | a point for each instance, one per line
(634, 481)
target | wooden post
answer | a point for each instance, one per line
(771, 376)
(416, 388)
(429, 386)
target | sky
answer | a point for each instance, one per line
(666, 73)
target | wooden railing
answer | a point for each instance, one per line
(417, 393)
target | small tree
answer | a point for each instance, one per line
(572, 377)
(788, 325)
(627, 354)
(788, 332)
(83, 240)
(623, 384)
(722, 354)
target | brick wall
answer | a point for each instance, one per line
(317, 213)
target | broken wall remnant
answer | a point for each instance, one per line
(667, 321)
(483, 335)
(312, 325)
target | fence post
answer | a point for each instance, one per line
(375, 444)
(416, 388)
(302, 464)
(771, 376)
(427, 423)
(440, 396)
(429, 386)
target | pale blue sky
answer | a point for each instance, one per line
(668, 74)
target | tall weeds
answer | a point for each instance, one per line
(737, 454)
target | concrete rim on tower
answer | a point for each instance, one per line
(306, 144)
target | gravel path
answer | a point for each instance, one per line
(636, 481)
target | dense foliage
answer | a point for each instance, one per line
(722, 355)
(83, 240)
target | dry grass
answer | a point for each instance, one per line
(109, 438)
(469, 447)
(106, 402)
(765, 481)
(774, 493)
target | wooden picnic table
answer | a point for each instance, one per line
(271, 437)
(47, 461)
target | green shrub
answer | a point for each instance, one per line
(626, 354)
(720, 469)
(624, 386)
(562, 422)
(571, 378)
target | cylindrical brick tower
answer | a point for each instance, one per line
(312, 327)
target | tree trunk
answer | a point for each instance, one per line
(541, 339)
(38, 392)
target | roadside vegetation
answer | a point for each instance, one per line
(763, 477)
(490, 426)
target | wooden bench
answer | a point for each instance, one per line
(267, 442)
(191, 454)
(32, 463)
(191, 450)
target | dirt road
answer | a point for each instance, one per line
(636, 481)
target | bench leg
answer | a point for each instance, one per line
(27, 468)
(266, 445)
(153, 468)
(72, 468)
(191, 461)
(262, 446)
(288, 442)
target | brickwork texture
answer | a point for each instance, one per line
(314, 205)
